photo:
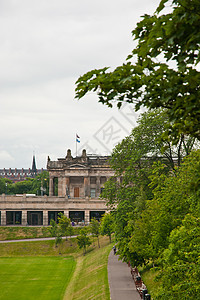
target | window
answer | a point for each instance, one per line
(53, 215)
(92, 193)
(92, 180)
(13, 217)
(102, 189)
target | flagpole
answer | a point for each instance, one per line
(77, 141)
(76, 145)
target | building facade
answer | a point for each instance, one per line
(17, 175)
(75, 184)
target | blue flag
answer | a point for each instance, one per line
(77, 138)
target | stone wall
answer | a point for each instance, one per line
(45, 204)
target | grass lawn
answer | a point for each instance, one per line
(36, 270)
(27, 278)
(38, 248)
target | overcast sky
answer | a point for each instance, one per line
(45, 45)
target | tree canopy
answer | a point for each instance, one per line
(157, 194)
(83, 240)
(162, 70)
(107, 225)
(37, 185)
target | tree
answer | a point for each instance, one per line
(23, 187)
(181, 262)
(83, 240)
(41, 184)
(95, 229)
(162, 70)
(3, 188)
(55, 232)
(134, 160)
(64, 223)
(174, 198)
(146, 142)
(37, 185)
(70, 231)
(107, 227)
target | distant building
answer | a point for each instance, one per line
(17, 175)
(78, 177)
(75, 185)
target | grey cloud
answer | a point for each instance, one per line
(44, 47)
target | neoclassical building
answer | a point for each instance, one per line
(75, 184)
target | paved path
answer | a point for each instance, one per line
(35, 239)
(122, 286)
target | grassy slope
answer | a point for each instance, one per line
(148, 276)
(90, 279)
(14, 232)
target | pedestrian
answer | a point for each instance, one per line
(114, 249)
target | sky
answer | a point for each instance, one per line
(45, 45)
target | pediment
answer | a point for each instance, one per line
(77, 166)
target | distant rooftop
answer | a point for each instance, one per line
(84, 159)
(17, 174)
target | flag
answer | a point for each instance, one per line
(77, 138)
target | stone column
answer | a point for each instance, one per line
(87, 186)
(66, 190)
(24, 217)
(87, 217)
(3, 217)
(51, 186)
(98, 185)
(60, 187)
(66, 213)
(45, 217)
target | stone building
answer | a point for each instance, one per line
(17, 175)
(75, 184)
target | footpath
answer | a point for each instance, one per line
(122, 285)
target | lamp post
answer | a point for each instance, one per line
(41, 187)
(6, 187)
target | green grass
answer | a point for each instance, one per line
(20, 232)
(148, 277)
(38, 248)
(40, 278)
(88, 281)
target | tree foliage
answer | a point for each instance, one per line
(55, 232)
(181, 262)
(107, 227)
(162, 70)
(5, 185)
(144, 161)
(95, 229)
(157, 194)
(37, 185)
(64, 224)
(167, 231)
(83, 240)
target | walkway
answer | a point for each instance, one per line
(35, 239)
(120, 280)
